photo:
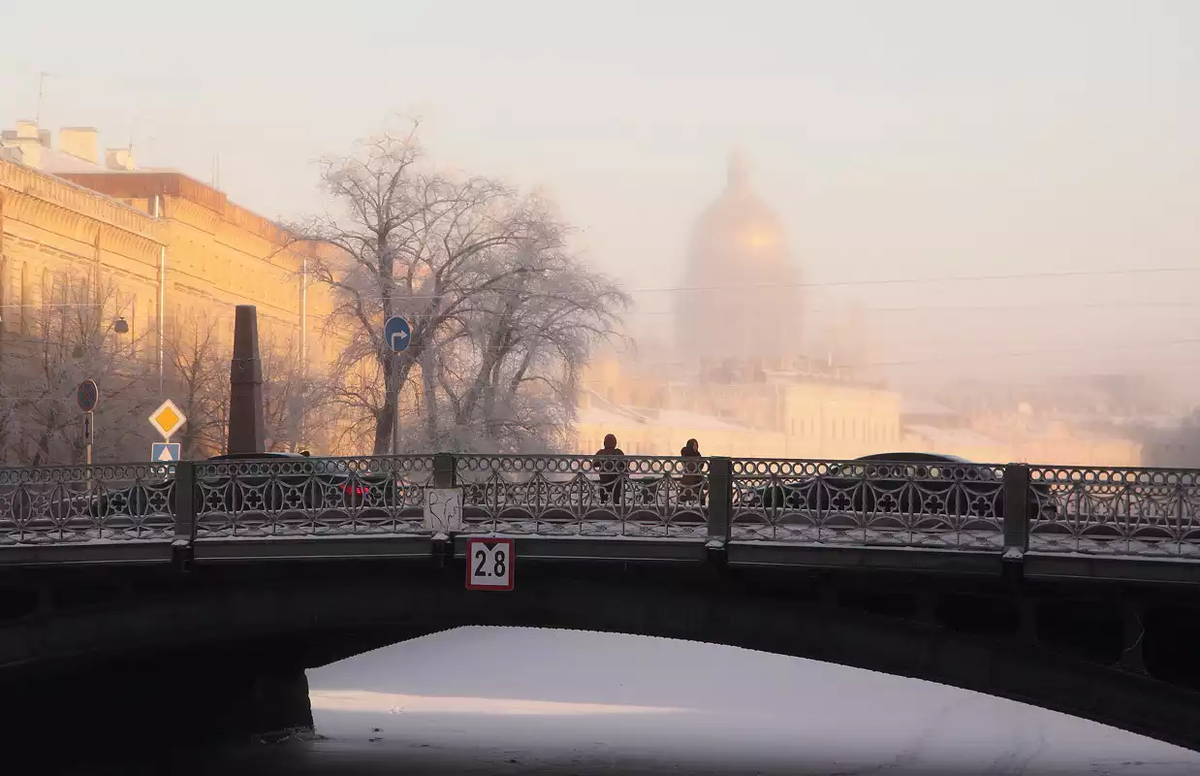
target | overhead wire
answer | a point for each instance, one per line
(916, 281)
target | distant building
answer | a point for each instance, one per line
(740, 383)
(741, 297)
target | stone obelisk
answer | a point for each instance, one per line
(246, 430)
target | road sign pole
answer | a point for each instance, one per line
(89, 434)
(87, 395)
(396, 413)
(397, 336)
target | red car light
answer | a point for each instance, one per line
(357, 490)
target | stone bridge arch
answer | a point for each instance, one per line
(221, 650)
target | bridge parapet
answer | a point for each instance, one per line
(1115, 511)
(949, 507)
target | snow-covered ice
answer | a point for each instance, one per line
(517, 700)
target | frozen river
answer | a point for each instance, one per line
(525, 701)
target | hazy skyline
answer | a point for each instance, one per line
(895, 140)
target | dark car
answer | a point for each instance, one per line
(904, 483)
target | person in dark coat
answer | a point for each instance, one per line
(692, 482)
(610, 471)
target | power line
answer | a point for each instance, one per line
(917, 281)
(1075, 348)
(985, 356)
(975, 308)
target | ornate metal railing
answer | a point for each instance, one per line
(584, 495)
(932, 505)
(65, 504)
(1109, 511)
(310, 496)
(944, 505)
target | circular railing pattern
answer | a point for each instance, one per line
(639, 496)
(943, 505)
(311, 496)
(912, 504)
(80, 504)
(1116, 511)
(468, 465)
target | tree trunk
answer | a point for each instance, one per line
(428, 386)
(385, 418)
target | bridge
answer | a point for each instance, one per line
(189, 597)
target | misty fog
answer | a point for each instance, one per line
(1003, 193)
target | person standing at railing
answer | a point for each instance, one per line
(691, 484)
(610, 470)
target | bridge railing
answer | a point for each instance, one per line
(641, 496)
(940, 505)
(71, 504)
(934, 505)
(1115, 511)
(310, 496)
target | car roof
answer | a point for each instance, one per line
(254, 456)
(913, 457)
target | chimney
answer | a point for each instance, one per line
(24, 144)
(80, 142)
(44, 137)
(119, 159)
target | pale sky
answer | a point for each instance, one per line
(917, 139)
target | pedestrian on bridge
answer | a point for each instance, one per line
(611, 470)
(691, 484)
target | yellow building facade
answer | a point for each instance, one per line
(174, 251)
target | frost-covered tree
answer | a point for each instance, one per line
(199, 353)
(77, 332)
(198, 379)
(503, 314)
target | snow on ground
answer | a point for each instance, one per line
(517, 700)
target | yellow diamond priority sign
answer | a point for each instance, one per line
(167, 419)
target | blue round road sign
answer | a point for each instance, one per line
(397, 334)
(88, 395)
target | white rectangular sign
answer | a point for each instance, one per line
(443, 510)
(490, 564)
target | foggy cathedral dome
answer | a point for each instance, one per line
(743, 299)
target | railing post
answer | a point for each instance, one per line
(185, 515)
(1016, 511)
(444, 474)
(720, 502)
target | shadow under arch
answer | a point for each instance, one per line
(226, 637)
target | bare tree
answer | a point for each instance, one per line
(484, 277)
(78, 333)
(510, 364)
(10, 407)
(295, 399)
(199, 378)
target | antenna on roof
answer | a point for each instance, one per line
(37, 119)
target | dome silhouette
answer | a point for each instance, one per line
(743, 298)
(738, 230)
